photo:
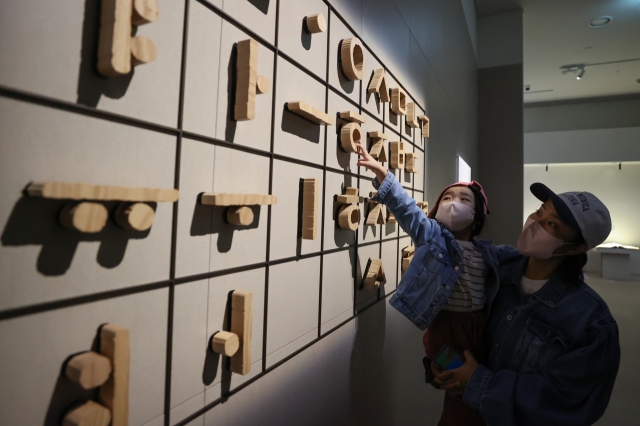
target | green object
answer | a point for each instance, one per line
(448, 358)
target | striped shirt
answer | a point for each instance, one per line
(468, 292)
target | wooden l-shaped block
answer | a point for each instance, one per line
(248, 82)
(377, 146)
(374, 275)
(305, 110)
(238, 213)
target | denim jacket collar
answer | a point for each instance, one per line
(549, 294)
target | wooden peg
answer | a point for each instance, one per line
(352, 116)
(411, 158)
(240, 215)
(316, 23)
(411, 115)
(212, 199)
(424, 120)
(114, 46)
(397, 155)
(310, 192)
(135, 216)
(84, 217)
(352, 56)
(114, 394)
(225, 343)
(145, 12)
(262, 85)
(374, 275)
(377, 213)
(305, 110)
(349, 217)
(398, 101)
(246, 80)
(143, 50)
(349, 134)
(351, 191)
(88, 414)
(88, 369)
(83, 191)
(241, 320)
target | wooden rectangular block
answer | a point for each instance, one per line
(211, 199)
(84, 191)
(424, 120)
(241, 322)
(246, 80)
(411, 115)
(398, 101)
(397, 155)
(114, 394)
(352, 116)
(305, 110)
(310, 209)
(410, 160)
(114, 45)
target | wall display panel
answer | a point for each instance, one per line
(59, 59)
(292, 318)
(365, 298)
(334, 237)
(239, 173)
(337, 157)
(39, 259)
(337, 288)
(390, 262)
(368, 233)
(32, 389)
(338, 31)
(256, 132)
(294, 38)
(294, 135)
(286, 216)
(259, 15)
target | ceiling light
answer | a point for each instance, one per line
(600, 21)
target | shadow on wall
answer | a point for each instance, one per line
(91, 85)
(300, 126)
(230, 127)
(261, 5)
(34, 221)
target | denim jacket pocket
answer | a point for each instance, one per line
(539, 344)
(435, 260)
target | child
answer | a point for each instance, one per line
(452, 278)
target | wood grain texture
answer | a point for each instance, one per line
(397, 155)
(86, 217)
(145, 12)
(88, 369)
(352, 57)
(374, 275)
(310, 193)
(424, 120)
(225, 343)
(114, 45)
(246, 80)
(316, 23)
(85, 191)
(410, 162)
(378, 85)
(212, 199)
(349, 217)
(114, 394)
(352, 116)
(412, 121)
(398, 101)
(241, 320)
(134, 216)
(305, 110)
(350, 133)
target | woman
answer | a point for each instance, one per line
(552, 346)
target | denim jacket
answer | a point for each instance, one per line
(551, 357)
(429, 280)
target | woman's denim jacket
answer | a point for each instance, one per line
(429, 280)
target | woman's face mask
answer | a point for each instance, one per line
(536, 242)
(455, 216)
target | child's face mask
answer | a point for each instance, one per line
(455, 216)
(536, 242)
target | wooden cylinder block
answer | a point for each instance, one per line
(84, 217)
(88, 414)
(240, 215)
(352, 57)
(316, 23)
(349, 217)
(144, 12)
(262, 85)
(225, 343)
(135, 217)
(349, 135)
(143, 51)
(89, 370)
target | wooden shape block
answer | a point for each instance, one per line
(378, 135)
(411, 158)
(391, 218)
(397, 155)
(352, 57)
(378, 85)
(310, 192)
(305, 110)
(114, 394)
(374, 275)
(246, 80)
(84, 217)
(316, 23)
(407, 256)
(411, 115)
(211, 199)
(376, 215)
(83, 191)
(424, 206)
(225, 343)
(145, 12)
(406, 262)
(135, 217)
(424, 120)
(88, 414)
(349, 217)
(240, 215)
(143, 51)
(241, 320)
(262, 85)
(376, 148)
(351, 190)
(114, 45)
(382, 157)
(398, 101)
(88, 369)
(352, 116)
(349, 135)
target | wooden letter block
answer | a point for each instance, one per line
(114, 394)
(397, 155)
(246, 80)
(136, 216)
(310, 192)
(240, 215)
(349, 217)
(398, 101)
(88, 414)
(241, 320)
(316, 23)
(143, 51)
(85, 217)
(378, 85)
(424, 120)
(382, 157)
(391, 218)
(424, 206)
(211, 199)
(352, 116)
(377, 213)
(349, 135)
(88, 369)
(225, 343)
(83, 191)
(407, 256)
(374, 275)
(377, 146)
(411, 115)
(305, 110)
(352, 57)
(411, 158)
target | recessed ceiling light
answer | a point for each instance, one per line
(600, 21)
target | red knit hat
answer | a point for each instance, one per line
(472, 184)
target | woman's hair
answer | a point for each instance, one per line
(570, 270)
(480, 218)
